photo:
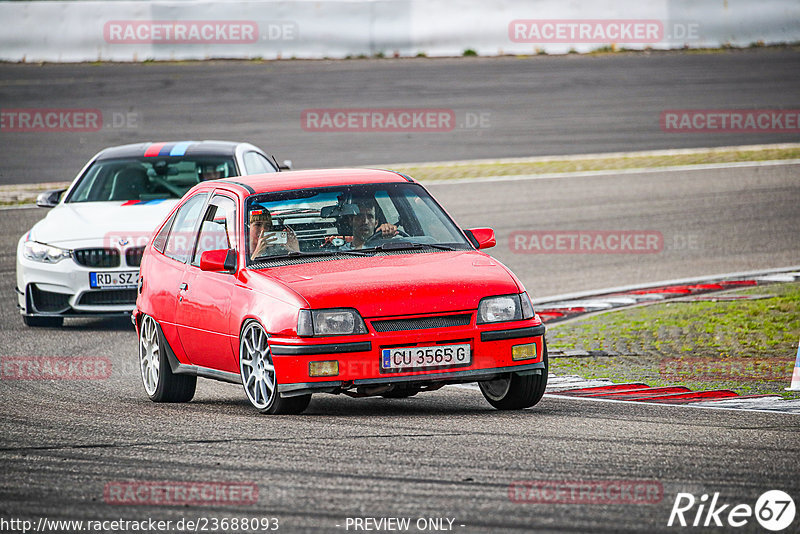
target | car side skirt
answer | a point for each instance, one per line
(179, 368)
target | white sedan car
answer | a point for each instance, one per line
(83, 257)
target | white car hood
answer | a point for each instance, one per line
(81, 224)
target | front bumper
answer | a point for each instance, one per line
(359, 360)
(63, 289)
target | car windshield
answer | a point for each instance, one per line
(357, 219)
(148, 178)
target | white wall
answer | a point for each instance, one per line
(74, 31)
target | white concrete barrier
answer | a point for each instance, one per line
(66, 31)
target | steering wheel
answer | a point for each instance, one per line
(168, 186)
(379, 234)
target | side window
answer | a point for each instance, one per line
(160, 241)
(181, 236)
(255, 163)
(218, 229)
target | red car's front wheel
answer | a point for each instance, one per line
(258, 374)
(514, 391)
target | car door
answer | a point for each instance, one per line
(164, 272)
(204, 306)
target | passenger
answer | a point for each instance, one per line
(262, 238)
(365, 224)
(209, 171)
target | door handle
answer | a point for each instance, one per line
(184, 286)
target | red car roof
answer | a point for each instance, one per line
(265, 183)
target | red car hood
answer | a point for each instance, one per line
(399, 284)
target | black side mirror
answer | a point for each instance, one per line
(49, 199)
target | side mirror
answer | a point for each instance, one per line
(218, 260)
(286, 165)
(481, 237)
(49, 199)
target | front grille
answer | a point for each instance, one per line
(422, 323)
(46, 301)
(133, 256)
(108, 297)
(103, 258)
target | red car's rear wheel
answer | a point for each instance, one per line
(160, 383)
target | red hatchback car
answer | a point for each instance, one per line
(330, 281)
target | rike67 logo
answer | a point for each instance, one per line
(774, 510)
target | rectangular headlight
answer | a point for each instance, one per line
(505, 308)
(332, 322)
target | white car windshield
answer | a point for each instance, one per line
(148, 178)
(358, 219)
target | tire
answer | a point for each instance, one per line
(516, 392)
(259, 378)
(42, 321)
(159, 382)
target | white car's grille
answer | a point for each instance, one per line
(100, 258)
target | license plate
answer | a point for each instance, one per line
(403, 358)
(122, 279)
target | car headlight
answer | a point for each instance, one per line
(40, 252)
(333, 322)
(505, 308)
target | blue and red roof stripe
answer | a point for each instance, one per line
(167, 149)
(143, 202)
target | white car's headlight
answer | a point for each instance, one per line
(333, 322)
(44, 253)
(505, 308)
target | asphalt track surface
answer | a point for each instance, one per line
(445, 454)
(529, 106)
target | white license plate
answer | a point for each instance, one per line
(401, 358)
(119, 279)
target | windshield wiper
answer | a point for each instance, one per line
(400, 245)
(294, 254)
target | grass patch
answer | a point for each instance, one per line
(554, 165)
(748, 346)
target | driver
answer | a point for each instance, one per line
(209, 171)
(365, 224)
(262, 238)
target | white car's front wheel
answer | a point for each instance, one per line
(160, 383)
